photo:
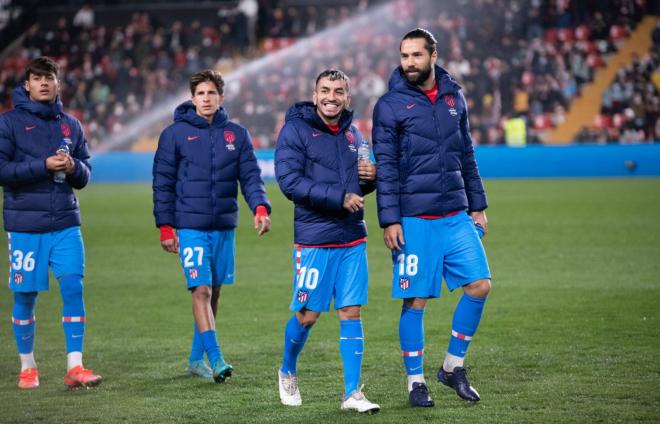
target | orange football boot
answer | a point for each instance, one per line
(28, 379)
(81, 377)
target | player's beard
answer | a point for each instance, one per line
(422, 76)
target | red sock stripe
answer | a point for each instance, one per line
(73, 319)
(460, 336)
(414, 353)
(23, 321)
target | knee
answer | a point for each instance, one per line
(202, 293)
(307, 322)
(71, 287)
(24, 302)
(350, 313)
(307, 318)
(418, 303)
(478, 289)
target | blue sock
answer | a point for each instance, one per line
(23, 320)
(411, 338)
(295, 336)
(466, 320)
(73, 312)
(211, 346)
(197, 349)
(351, 346)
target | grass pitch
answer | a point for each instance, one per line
(571, 332)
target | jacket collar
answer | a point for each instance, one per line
(185, 112)
(22, 101)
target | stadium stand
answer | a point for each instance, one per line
(523, 58)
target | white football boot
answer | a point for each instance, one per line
(358, 402)
(289, 393)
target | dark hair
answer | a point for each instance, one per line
(42, 66)
(207, 75)
(333, 75)
(429, 40)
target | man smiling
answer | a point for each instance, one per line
(317, 168)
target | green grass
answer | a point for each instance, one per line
(571, 332)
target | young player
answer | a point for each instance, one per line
(200, 161)
(431, 205)
(316, 164)
(43, 157)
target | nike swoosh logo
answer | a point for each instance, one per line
(26, 337)
(358, 353)
(76, 336)
(192, 137)
(410, 106)
(30, 128)
(316, 134)
(416, 368)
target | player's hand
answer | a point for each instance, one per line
(393, 236)
(261, 220)
(169, 241)
(366, 170)
(353, 202)
(56, 163)
(480, 220)
(70, 165)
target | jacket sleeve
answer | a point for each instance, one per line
(249, 176)
(386, 149)
(290, 172)
(17, 173)
(164, 179)
(81, 173)
(470, 172)
(366, 186)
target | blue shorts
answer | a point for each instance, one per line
(207, 257)
(435, 248)
(31, 254)
(321, 273)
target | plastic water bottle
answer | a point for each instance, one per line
(60, 176)
(364, 152)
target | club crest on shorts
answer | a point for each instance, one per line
(404, 283)
(230, 137)
(18, 278)
(449, 99)
(302, 296)
(193, 272)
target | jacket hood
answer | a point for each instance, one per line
(446, 84)
(22, 101)
(185, 112)
(307, 112)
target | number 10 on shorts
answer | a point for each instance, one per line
(407, 264)
(308, 277)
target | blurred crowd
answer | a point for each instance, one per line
(630, 107)
(522, 59)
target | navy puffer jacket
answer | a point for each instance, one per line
(424, 152)
(30, 133)
(315, 169)
(197, 169)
